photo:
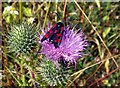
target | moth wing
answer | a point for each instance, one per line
(55, 41)
(49, 35)
(54, 34)
(57, 38)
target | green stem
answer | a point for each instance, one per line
(56, 8)
(20, 10)
(46, 15)
(64, 12)
(22, 72)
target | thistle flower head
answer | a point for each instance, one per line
(51, 74)
(71, 47)
(21, 38)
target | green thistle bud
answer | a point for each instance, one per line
(22, 38)
(52, 74)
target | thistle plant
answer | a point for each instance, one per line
(53, 69)
(71, 48)
(22, 38)
(52, 75)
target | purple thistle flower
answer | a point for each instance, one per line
(71, 47)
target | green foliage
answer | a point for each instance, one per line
(9, 14)
(107, 30)
(27, 12)
(22, 38)
(52, 74)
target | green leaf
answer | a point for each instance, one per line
(8, 19)
(27, 12)
(106, 18)
(106, 31)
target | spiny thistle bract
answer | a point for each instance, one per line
(53, 75)
(22, 38)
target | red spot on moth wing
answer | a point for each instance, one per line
(46, 35)
(61, 29)
(59, 35)
(59, 40)
(55, 40)
(50, 31)
(54, 25)
(55, 31)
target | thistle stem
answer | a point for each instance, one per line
(20, 10)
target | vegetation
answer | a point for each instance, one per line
(24, 65)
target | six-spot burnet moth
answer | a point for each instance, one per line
(55, 34)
